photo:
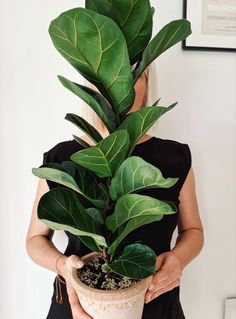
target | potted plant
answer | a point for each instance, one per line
(102, 42)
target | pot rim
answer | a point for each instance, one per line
(89, 257)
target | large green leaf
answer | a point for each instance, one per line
(137, 123)
(90, 243)
(90, 186)
(136, 174)
(138, 221)
(95, 214)
(134, 19)
(131, 225)
(95, 46)
(134, 205)
(77, 178)
(101, 6)
(104, 158)
(87, 128)
(95, 100)
(60, 209)
(137, 261)
(169, 35)
(46, 171)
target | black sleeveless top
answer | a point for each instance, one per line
(174, 160)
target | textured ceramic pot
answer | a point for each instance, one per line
(126, 303)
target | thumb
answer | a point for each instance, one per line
(74, 261)
(159, 262)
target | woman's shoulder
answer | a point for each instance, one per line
(60, 151)
(177, 151)
(61, 146)
(174, 155)
(171, 144)
(180, 147)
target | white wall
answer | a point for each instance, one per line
(33, 106)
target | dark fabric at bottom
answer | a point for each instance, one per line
(166, 306)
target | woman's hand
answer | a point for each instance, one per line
(167, 276)
(76, 308)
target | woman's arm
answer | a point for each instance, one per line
(38, 240)
(44, 253)
(189, 243)
(191, 235)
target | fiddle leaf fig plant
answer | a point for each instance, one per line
(94, 45)
(134, 19)
(102, 41)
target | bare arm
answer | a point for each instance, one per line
(44, 253)
(38, 240)
(191, 235)
(170, 264)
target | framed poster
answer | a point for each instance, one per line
(213, 25)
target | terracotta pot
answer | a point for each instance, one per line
(126, 303)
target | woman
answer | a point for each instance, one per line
(173, 159)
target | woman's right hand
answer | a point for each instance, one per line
(76, 308)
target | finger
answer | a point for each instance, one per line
(156, 281)
(72, 296)
(172, 277)
(151, 296)
(166, 271)
(156, 287)
(80, 314)
(160, 285)
(74, 261)
(159, 262)
(161, 275)
(76, 308)
(169, 287)
(163, 284)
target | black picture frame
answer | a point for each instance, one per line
(186, 46)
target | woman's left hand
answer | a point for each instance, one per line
(167, 276)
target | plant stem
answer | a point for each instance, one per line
(117, 119)
(105, 256)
